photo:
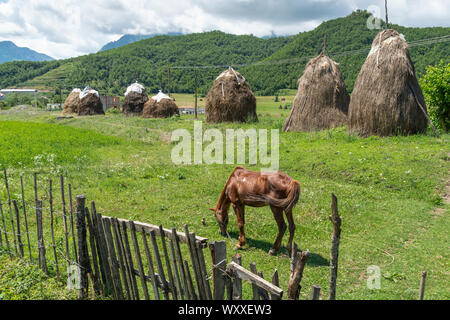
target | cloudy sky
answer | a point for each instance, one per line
(68, 28)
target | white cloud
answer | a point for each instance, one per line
(67, 28)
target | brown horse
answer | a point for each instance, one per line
(255, 189)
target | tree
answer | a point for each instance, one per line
(436, 88)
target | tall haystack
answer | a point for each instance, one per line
(72, 102)
(90, 103)
(230, 99)
(160, 106)
(322, 99)
(387, 99)
(135, 99)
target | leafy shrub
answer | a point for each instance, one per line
(436, 88)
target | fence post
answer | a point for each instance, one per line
(294, 287)
(25, 217)
(41, 245)
(422, 285)
(237, 282)
(336, 220)
(83, 254)
(254, 286)
(219, 261)
(19, 235)
(11, 218)
(5, 232)
(315, 294)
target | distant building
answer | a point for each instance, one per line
(110, 102)
(190, 110)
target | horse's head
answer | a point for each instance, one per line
(222, 219)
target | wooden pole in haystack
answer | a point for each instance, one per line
(324, 46)
(387, 17)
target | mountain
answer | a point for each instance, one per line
(130, 38)
(10, 52)
(268, 64)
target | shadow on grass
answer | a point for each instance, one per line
(315, 260)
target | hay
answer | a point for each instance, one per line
(386, 94)
(230, 99)
(165, 108)
(322, 99)
(134, 102)
(90, 105)
(72, 102)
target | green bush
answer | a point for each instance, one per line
(436, 89)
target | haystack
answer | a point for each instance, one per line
(322, 99)
(230, 99)
(135, 99)
(387, 99)
(90, 103)
(72, 102)
(160, 106)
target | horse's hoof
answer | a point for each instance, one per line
(238, 247)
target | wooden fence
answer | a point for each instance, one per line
(124, 259)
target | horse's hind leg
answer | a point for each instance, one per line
(291, 230)
(278, 215)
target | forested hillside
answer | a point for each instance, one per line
(281, 59)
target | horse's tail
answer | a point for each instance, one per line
(293, 193)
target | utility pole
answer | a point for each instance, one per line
(168, 80)
(196, 90)
(60, 98)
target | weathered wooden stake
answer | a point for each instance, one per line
(83, 254)
(422, 285)
(25, 218)
(276, 282)
(11, 218)
(5, 232)
(52, 229)
(336, 220)
(92, 238)
(219, 260)
(19, 235)
(66, 233)
(294, 287)
(315, 294)
(72, 225)
(237, 282)
(254, 286)
(150, 267)
(40, 235)
(139, 260)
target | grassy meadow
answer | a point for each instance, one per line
(390, 192)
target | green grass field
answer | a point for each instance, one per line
(390, 192)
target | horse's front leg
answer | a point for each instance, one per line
(240, 215)
(291, 231)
